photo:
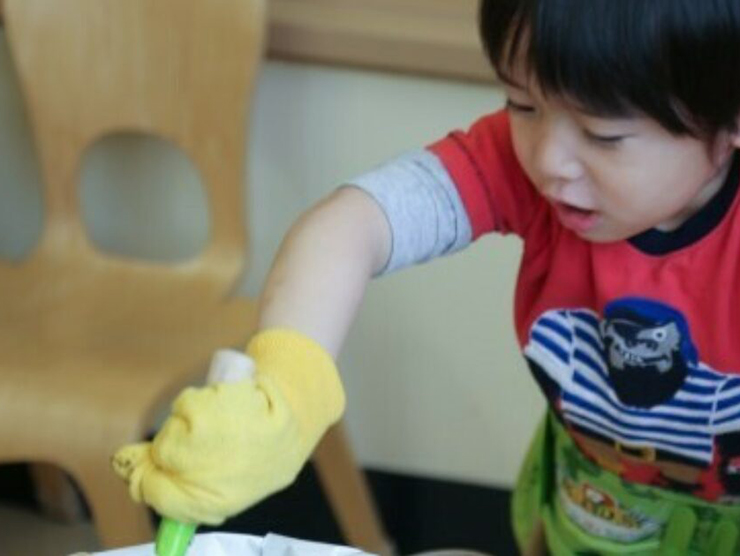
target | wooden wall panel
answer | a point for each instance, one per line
(428, 37)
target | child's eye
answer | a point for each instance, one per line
(611, 140)
(517, 107)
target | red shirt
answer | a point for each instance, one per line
(562, 275)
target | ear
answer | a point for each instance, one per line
(725, 144)
(735, 134)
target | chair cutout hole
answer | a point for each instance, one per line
(142, 197)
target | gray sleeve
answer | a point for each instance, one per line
(422, 205)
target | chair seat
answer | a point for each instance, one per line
(62, 304)
(79, 338)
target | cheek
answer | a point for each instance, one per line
(679, 177)
(649, 190)
(636, 193)
(623, 186)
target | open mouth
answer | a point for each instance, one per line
(576, 218)
(576, 210)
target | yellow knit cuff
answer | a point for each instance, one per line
(304, 370)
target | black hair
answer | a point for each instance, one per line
(676, 61)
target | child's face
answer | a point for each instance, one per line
(609, 179)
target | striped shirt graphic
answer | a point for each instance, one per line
(568, 347)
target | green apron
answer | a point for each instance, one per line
(586, 509)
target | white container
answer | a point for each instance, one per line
(228, 544)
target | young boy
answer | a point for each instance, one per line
(616, 162)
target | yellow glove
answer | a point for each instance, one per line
(227, 446)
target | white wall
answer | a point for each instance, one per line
(434, 380)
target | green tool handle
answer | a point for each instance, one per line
(173, 538)
(227, 365)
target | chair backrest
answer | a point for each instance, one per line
(181, 70)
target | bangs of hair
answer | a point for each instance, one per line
(677, 61)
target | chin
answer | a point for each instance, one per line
(598, 236)
(602, 234)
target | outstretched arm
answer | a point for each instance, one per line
(226, 446)
(320, 273)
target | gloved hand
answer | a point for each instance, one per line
(227, 446)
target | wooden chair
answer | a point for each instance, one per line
(91, 344)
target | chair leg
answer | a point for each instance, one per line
(348, 494)
(118, 520)
(55, 493)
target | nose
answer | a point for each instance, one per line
(555, 156)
